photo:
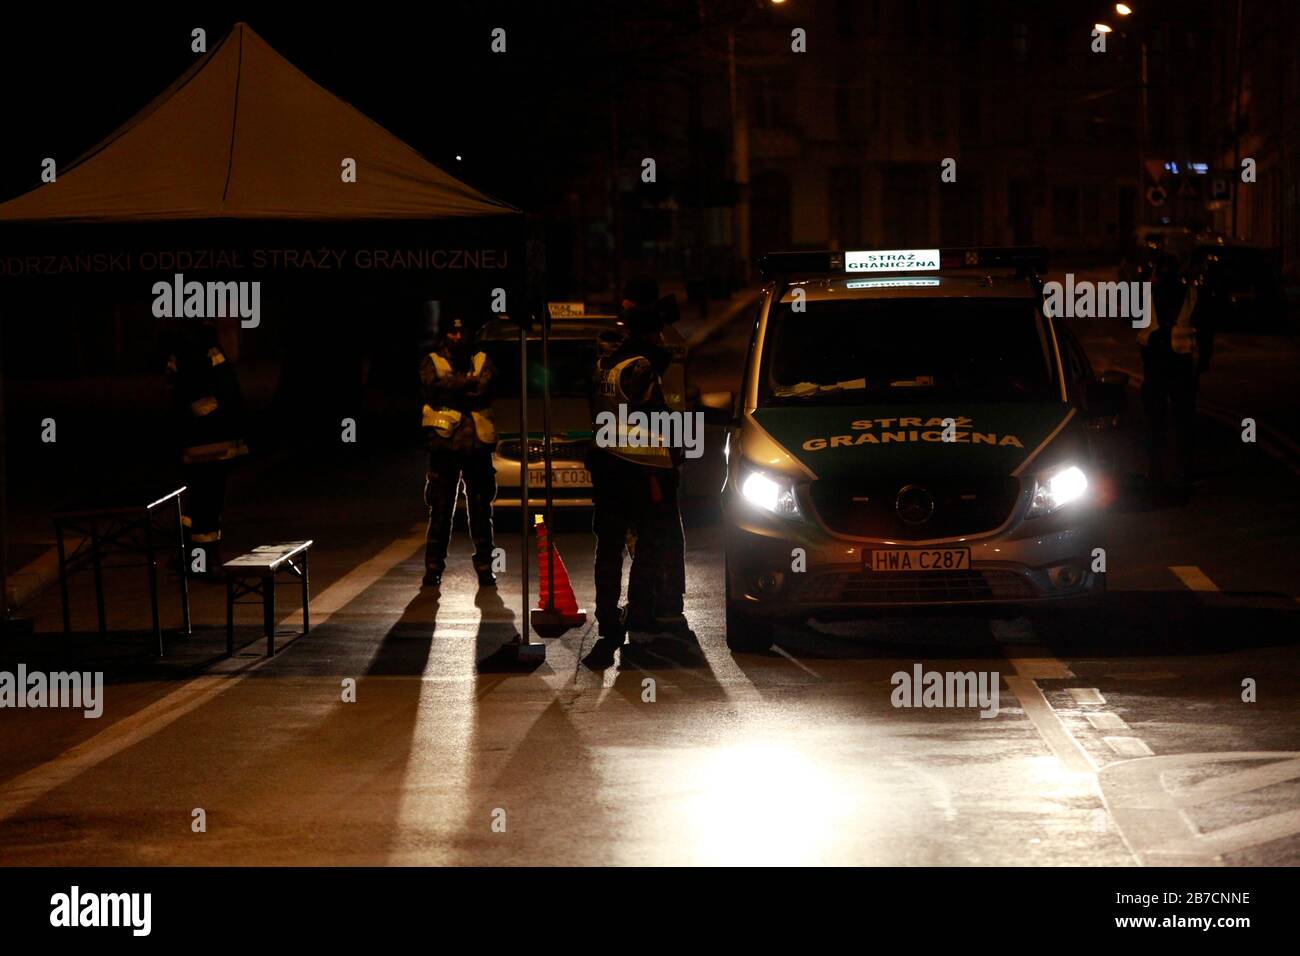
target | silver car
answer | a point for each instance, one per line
(574, 346)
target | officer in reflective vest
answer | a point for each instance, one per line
(634, 480)
(460, 435)
(1171, 363)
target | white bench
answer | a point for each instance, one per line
(255, 573)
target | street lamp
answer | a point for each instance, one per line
(1101, 28)
(1123, 9)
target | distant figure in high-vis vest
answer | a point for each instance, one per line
(1174, 353)
(460, 435)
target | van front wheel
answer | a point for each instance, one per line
(746, 632)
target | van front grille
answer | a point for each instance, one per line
(870, 507)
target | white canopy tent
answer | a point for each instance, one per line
(241, 144)
(244, 134)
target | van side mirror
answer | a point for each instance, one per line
(1107, 396)
(719, 408)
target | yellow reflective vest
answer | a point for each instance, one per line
(444, 421)
(1182, 336)
(631, 442)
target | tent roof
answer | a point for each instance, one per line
(244, 134)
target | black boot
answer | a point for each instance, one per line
(432, 579)
(602, 653)
(486, 579)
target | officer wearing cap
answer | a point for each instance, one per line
(460, 435)
(634, 486)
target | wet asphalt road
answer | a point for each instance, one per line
(1121, 736)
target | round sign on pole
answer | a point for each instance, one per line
(1156, 195)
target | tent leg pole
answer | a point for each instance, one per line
(525, 650)
(546, 457)
(4, 493)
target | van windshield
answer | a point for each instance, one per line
(880, 351)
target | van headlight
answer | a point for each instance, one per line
(771, 492)
(1057, 489)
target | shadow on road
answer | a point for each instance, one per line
(405, 648)
(1129, 624)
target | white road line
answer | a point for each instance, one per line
(144, 723)
(1129, 746)
(1032, 663)
(1049, 725)
(1194, 578)
(797, 663)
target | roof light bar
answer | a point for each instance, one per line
(1024, 259)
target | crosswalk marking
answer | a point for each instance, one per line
(1085, 695)
(1107, 721)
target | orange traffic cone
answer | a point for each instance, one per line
(557, 607)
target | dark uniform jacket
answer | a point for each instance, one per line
(207, 405)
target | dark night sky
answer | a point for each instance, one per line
(429, 78)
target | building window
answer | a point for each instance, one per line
(766, 104)
(938, 122)
(912, 20)
(843, 111)
(847, 17)
(844, 204)
(1065, 211)
(938, 22)
(972, 126)
(912, 122)
(1090, 211)
(1020, 40)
